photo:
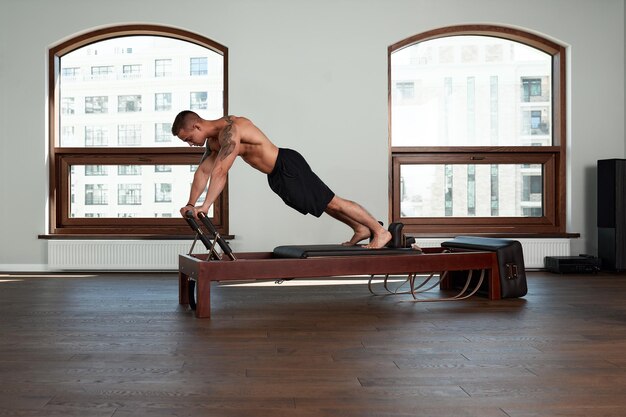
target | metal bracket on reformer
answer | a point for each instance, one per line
(419, 289)
(211, 241)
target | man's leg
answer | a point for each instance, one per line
(360, 232)
(363, 223)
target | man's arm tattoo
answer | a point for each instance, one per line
(227, 145)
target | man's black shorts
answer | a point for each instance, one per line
(294, 181)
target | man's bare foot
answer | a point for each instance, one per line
(379, 240)
(358, 236)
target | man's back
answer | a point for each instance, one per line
(255, 148)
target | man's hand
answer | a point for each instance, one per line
(195, 210)
(184, 210)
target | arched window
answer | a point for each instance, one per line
(477, 132)
(115, 168)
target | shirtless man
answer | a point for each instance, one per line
(288, 173)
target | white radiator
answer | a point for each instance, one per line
(151, 255)
(537, 249)
(112, 255)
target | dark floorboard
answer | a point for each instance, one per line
(120, 345)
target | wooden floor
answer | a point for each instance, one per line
(119, 345)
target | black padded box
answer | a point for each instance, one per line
(510, 262)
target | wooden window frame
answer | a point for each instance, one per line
(62, 158)
(552, 158)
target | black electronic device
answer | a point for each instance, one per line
(582, 264)
(612, 213)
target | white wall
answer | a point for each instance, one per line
(313, 76)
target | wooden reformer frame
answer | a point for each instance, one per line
(198, 271)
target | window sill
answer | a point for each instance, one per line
(499, 235)
(122, 237)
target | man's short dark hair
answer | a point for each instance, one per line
(184, 120)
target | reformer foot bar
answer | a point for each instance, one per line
(198, 271)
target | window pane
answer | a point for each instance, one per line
(128, 81)
(96, 136)
(471, 91)
(198, 66)
(96, 104)
(198, 100)
(163, 101)
(129, 190)
(129, 135)
(162, 133)
(481, 190)
(128, 104)
(162, 67)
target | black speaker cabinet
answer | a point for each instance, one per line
(612, 213)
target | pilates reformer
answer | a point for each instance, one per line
(198, 271)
